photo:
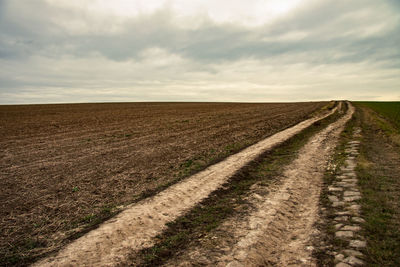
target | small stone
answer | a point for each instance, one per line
(342, 176)
(339, 257)
(355, 209)
(349, 199)
(342, 264)
(351, 228)
(358, 244)
(351, 193)
(346, 184)
(352, 252)
(353, 261)
(333, 198)
(350, 180)
(334, 189)
(341, 218)
(344, 234)
(337, 204)
(358, 219)
(338, 225)
(310, 248)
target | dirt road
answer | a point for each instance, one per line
(279, 231)
(135, 228)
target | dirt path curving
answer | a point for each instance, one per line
(279, 231)
(135, 228)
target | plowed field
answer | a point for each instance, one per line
(65, 168)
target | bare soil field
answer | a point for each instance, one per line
(65, 168)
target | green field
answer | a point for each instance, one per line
(378, 169)
(390, 110)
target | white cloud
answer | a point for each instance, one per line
(251, 12)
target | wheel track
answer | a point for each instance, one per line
(135, 228)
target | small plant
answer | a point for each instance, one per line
(75, 189)
(89, 218)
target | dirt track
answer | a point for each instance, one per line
(135, 228)
(279, 231)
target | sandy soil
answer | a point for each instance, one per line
(135, 228)
(279, 230)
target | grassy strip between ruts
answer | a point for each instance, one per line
(378, 171)
(223, 203)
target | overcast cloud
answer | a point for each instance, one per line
(54, 51)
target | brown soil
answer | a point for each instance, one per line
(64, 167)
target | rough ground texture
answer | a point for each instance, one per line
(279, 230)
(64, 168)
(136, 227)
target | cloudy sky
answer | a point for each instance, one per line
(54, 51)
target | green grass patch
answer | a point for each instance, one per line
(390, 110)
(378, 173)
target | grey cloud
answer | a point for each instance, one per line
(333, 35)
(212, 43)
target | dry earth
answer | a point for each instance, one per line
(136, 227)
(64, 168)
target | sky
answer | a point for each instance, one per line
(71, 51)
